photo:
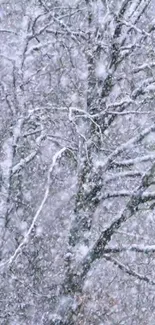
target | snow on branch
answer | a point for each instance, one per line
(147, 196)
(144, 66)
(84, 114)
(130, 162)
(127, 113)
(8, 31)
(133, 235)
(127, 270)
(30, 157)
(111, 177)
(112, 194)
(59, 21)
(134, 9)
(144, 197)
(73, 34)
(97, 251)
(142, 6)
(129, 144)
(141, 31)
(39, 210)
(133, 248)
(147, 84)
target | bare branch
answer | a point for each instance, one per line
(8, 31)
(127, 270)
(133, 248)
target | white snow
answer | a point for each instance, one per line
(101, 70)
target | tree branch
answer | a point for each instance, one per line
(39, 210)
(127, 270)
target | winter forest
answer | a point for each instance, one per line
(77, 162)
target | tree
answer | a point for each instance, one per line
(77, 162)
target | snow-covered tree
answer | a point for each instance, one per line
(77, 165)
